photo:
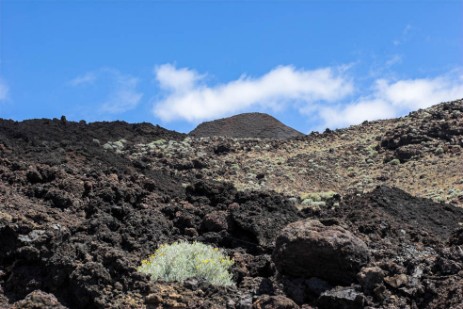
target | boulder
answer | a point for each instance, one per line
(274, 302)
(39, 299)
(456, 238)
(342, 298)
(409, 152)
(370, 278)
(308, 248)
(215, 221)
(317, 286)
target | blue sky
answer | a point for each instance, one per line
(311, 64)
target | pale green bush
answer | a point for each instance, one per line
(182, 260)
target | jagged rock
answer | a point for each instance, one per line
(317, 286)
(215, 221)
(408, 152)
(398, 138)
(257, 285)
(274, 302)
(40, 175)
(397, 280)
(223, 149)
(456, 238)
(259, 220)
(38, 300)
(342, 298)
(295, 289)
(370, 278)
(308, 248)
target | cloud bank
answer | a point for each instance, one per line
(328, 95)
(188, 98)
(394, 98)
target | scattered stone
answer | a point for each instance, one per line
(397, 281)
(257, 285)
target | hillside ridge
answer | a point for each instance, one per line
(246, 125)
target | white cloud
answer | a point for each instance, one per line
(355, 113)
(187, 98)
(421, 93)
(87, 78)
(323, 94)
(122, 95)
(390, 99)
(4, 90)
(176, 79)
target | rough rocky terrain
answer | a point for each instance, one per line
(365, 217)
(254, 125)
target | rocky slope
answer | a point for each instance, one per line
(369, 216)
(249, 125)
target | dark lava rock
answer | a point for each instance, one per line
(408, 152)
(456, 238)
(215, 221)
(310, 249)
(399, 138)
(223, 149)
(370, 278)
(37, 300)
(260, 217)
(317, 286)
(407, 239)
(274, 302)
(443, 122)
(257, 285)
(249, 125)
(342, 298)
(391, 212)
(39, 176)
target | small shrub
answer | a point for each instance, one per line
(439, 151)
(181, 260)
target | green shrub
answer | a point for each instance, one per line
(182, 260)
